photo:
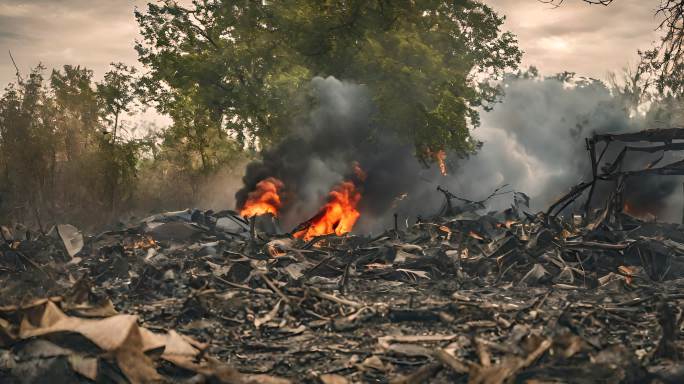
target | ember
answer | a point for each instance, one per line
(144, 242)
(264, 199)
(475, 235)
(359, 173)
(638, 212)
(337, 216)
(507, 224)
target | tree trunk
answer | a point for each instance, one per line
(116, 124)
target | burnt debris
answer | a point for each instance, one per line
(464, 296)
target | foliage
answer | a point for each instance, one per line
(27, 145)
(58, 160)
(231, 67)
(228, 73)
(117, 94)
(663, 65)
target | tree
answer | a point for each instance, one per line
(55, 161)
(665, 62)
(430, 65)
(117, 92)
(27, 147)
(78, 112)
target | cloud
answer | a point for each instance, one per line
(589, 40)
(58, 32)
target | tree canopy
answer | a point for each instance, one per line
(56, 156)
(233, 67)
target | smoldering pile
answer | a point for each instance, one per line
(461, 297)
(473, 294)
(338, 142)
(533, 141)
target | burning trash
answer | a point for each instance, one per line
(337, 216)
(522, 296)
(380, 231)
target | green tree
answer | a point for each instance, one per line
(664, 63)
(56, 162)
(78, 111)
(27, 147)
(430, 64)
(117, 93)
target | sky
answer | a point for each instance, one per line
(92, 33)
(589, 40)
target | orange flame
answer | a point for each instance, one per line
(264, 199)
(338, 216)
(643, 213)
(143, 242)
(440, 156)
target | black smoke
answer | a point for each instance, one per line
(322, 148)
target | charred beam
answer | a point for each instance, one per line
(574, 193)
(650, 135)
(658, 148)
(591, 147)
(672, 169)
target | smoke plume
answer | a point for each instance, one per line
(322, 149)
(533, 141)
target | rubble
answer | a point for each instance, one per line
(483, 300)
(465, 296)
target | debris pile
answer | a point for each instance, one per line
(465, 296)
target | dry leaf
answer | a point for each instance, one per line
(333, 379)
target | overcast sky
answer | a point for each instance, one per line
(589, 40)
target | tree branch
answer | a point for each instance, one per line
(15, 67)
(558, 3)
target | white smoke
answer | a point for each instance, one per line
(534, 141)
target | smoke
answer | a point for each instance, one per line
(211, 193)
(322, 148)
(533, 141)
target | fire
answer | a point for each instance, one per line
(440, 156)
(337, 216)
(264, 199)
(143, 242)
(641, 212)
